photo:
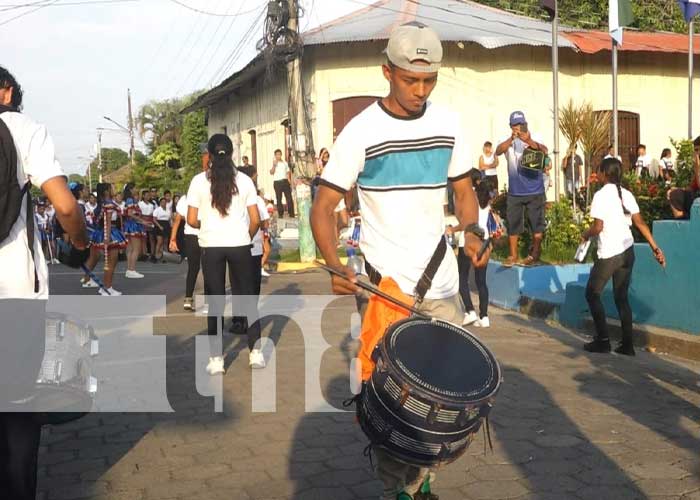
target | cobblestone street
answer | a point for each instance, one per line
(566, 424)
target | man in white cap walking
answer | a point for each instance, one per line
(401, 152)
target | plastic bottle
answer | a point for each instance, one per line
(355, 262)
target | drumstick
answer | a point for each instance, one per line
(373, 289)
(94, 278)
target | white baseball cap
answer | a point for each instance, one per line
(412, 42)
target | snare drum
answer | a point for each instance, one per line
(66, 385)
(433, 385)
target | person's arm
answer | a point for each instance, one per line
(324, 230)
(526, 137)
(253, 220)
(467, 212)
(289, 174)
(639, 223)
(193, 217)
(503, 147)
(173, 233)
(68, 211)
(495, 162)
(593, 231)
(274, 166)
(482, 165)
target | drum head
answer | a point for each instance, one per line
(442, 359)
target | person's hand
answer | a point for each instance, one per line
(71, 256)
(449, 230)
(173, 246)
(524, 136)
(660, 257)
(472, 247)
(345, 286)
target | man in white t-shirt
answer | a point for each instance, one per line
(24, 286)
(282, 182)
(401, 152)
(147, 208)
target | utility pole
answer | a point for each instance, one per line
(131, 130)
(302, 142)
(555, 98)
(99, 155)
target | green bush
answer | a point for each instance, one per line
(563, 234)
(684, 162)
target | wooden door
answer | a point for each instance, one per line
(346, 109)
(253, 148)
(627, 139)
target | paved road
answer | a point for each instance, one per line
(566, 425)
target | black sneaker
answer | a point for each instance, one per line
(601, 346)
(153, 259)
(239, 326)
(625, 349)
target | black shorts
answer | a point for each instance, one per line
(165, 232)
(491, 181)
(515, 213)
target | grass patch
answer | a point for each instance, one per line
(292, 255)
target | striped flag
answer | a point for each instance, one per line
(690, 8)
(619, 15)
(550, 7)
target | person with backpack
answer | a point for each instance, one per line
(614, 210)
(27, 158)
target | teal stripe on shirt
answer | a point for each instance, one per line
(407, 168)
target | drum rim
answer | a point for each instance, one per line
(441, 398)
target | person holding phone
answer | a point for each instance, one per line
(526, 190)
(614, 210)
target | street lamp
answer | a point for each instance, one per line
(129, 131)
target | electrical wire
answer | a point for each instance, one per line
(182, 4)
(7, 21)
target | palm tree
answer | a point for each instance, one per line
(595, 134)
(570, 127)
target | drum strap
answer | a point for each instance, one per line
(425, 281)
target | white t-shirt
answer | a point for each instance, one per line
(280, 171)
(169, 206)
(215, 230)
(489, 160)
(181, 208)
(667, 163)
(643, 161)
(616, 236)
(162, 214)
(147, 208)
(401, 167)
(36, 163)
(258, 238)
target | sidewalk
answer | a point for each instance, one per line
(566, 424)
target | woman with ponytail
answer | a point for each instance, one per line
(133, 230)
(614, 210)
(222, 204)
(105, 237)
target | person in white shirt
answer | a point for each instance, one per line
(643, 163)
(614, 210)
(191, 250)
(282, 182)
(385, 150)
(488, 222)
(666, 164)
(161, 218)
(147, 208)
(222, 204)
(611, 153)
(488, 165)
(24, 286)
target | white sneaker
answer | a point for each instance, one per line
(55, 261)
(216, 365)
(110, 292)
(256, 359)
(264, 273)
(470, 318)
(483, 322)
(90, 284)
(114, 292)
(205, 309)
(133, 274)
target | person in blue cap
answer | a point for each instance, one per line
(526, 189)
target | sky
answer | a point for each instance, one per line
(75, 59)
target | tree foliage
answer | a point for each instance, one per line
(159, 122)
(650, 15)
(194, 132)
